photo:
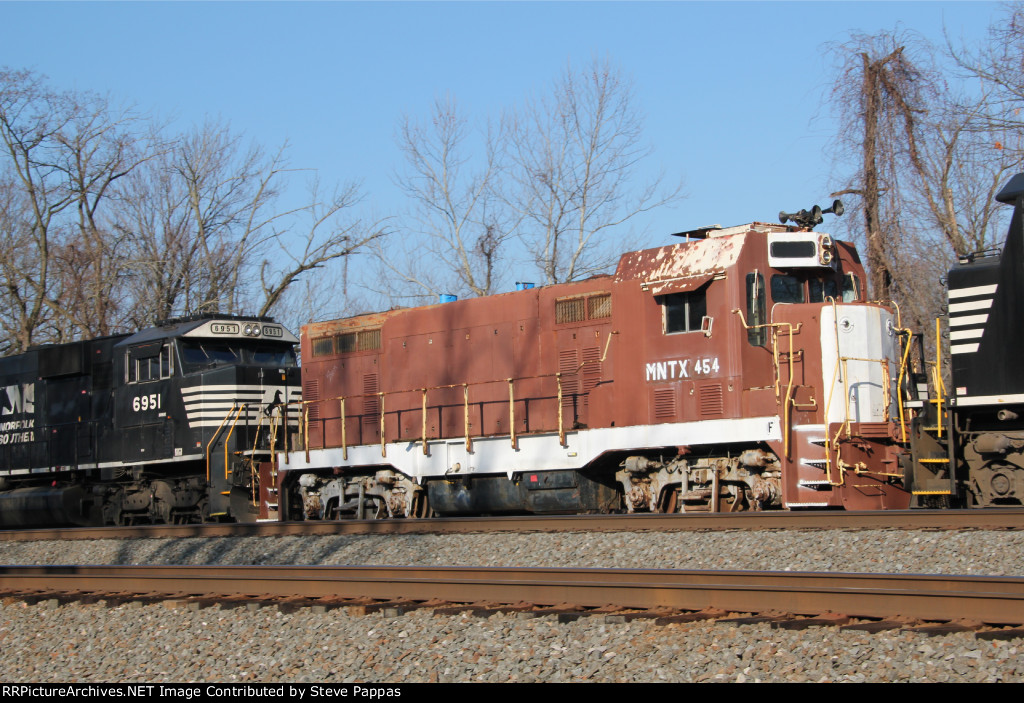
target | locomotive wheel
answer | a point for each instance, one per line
(242, 508)
(669, 501)
(421, 507)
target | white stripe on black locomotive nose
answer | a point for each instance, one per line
(981, 304)
(207, 406)
(966, 334)
(966, 321)
(973, 291)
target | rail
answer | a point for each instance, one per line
(994, 600)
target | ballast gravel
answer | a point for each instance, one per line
(148, 644)
(154, 643)
(979, 552)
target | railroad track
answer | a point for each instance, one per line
(1009, 519)
(829, 598)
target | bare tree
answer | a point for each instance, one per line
(30, 117)
(931, 153)
(208, 233)
(62, 153)
(460, 225)
(155, 219)
(100, 145)
(996, 63)
(574, 159)
(329, 235)
(230, 195)
(881, 96)
(960, 166)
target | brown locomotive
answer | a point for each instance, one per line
(741, 369)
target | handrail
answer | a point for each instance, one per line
(304, 404)
(788, 400)
(940, 387)
(227, 440)
(214, 439)
(832, 442)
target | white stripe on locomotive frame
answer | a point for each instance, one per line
(226, 388)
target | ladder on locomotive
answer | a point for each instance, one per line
(250, 458)
(931, 449)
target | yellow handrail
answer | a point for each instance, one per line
(214, 439)
(227, 440)
(788, 400)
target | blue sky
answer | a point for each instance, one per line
(732, 91)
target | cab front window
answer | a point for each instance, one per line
(199, 354)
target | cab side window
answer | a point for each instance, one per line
(757, 310)
(148, 362)
(684, 311)
(851, 288)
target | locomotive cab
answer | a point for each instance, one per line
(199, 404)
(756, 340)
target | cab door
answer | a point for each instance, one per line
(141, 404)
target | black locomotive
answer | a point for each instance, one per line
(166, 425)
(968, 444)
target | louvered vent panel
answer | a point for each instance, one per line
(710, 400)
(371, 403)
(568, 362)
(369, 340)
(664, 403)
(311, 389)
(345, 343)
(311, 392)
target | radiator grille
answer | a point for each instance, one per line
(569, 311)
(599, 306)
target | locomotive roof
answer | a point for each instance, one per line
(670, 268)
(182, 327)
